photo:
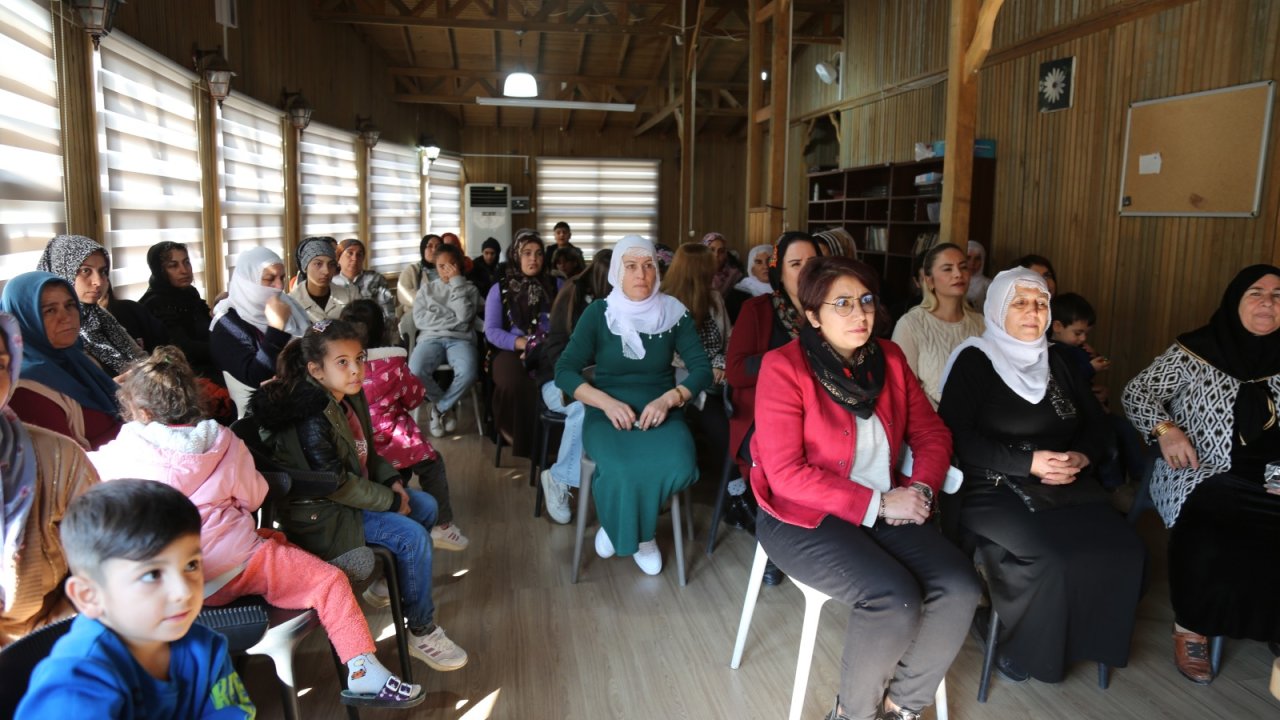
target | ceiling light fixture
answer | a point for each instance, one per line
(541, 104)
(520, 84)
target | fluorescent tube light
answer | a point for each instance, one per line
(556, 104)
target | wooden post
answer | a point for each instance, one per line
(962, 107)
(208, 115)
(688, 130)
(779, 116)
(755, 131)
(292, 194)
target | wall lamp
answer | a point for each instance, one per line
(298, 108)
(97, 16)
(369, 132)
(214, 69)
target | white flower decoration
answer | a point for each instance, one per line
(1053, 85)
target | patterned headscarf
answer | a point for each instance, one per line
(526, 298)
(104, 337)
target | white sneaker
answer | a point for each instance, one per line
(437, 651)
(649, 557)
(451, 419)
(436, 423)
(556, 495)
(377, 595)
(448, 537)
(604, 548)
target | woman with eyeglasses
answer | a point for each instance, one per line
(928, 332)
(1064, 569)
(836, 514)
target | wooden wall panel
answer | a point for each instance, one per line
(279, 44)
(720, 164)
(1058, 174)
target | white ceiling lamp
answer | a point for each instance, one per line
(828, 72)
(540, 104)
(520, 84)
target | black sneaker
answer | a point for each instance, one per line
(740, 514)
(1009, 671)
(773, 575)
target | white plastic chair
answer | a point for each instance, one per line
(410, 332)
(813, 602)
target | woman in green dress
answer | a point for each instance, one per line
(634, 429)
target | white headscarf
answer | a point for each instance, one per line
(1022, 365)
(978, 283)
(249, 296)
(750, 284)
(628, 318)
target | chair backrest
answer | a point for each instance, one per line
(239, 393)
(19, 660)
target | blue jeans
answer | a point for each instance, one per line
(430, 353)
(568, 466)
(409, 539)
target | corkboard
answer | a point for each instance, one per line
(1211, 149)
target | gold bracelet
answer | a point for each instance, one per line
(679, 397)
(1159, 430)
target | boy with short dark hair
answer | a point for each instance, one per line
(1073, 319)
(133, 547)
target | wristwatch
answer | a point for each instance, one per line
(924, 490)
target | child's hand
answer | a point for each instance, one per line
(398, 488)
(1100, 363)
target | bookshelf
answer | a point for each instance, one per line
(891, 217)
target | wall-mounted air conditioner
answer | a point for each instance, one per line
(486, 212)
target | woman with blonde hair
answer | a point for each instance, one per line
(930, 331)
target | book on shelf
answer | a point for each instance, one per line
(877, 239)
(924, 241)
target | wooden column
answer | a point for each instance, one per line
(364, 160)
(688, 130)
(766, 196)
(972, 22)
(81, 184)
(292, 194)
(208, 116)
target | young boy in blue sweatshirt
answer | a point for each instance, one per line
(133, 547)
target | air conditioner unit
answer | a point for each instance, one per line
(486, 211)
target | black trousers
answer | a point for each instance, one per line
(912, 595)
(1223, 578)
(431, 477)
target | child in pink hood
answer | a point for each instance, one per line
(393, 394)
(167, 438)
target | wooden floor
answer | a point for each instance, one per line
(620, 644)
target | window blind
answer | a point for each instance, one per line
(31, 205)
(251, 165)
(395, 206)
(150, 159)
(601, 199)
(444, 195)
(330, 184)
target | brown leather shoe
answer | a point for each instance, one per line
(1191, 655)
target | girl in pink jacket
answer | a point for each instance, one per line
(169, 439)
(393, 393)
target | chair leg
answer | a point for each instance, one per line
(538, 430)
(584, 502)
(281, 655)
(475, 405)
(719, 511)
(813, 602)
(688, 514)
(677, 530)
(940, 701)
(352, 712)
(754, 581)
(1215, 653)
(989, 656)
(497, 453)
(388, 559)
(1104, 676)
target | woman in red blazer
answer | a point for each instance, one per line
(834, 511)
(765, 322)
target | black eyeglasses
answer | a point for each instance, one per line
(844, 305)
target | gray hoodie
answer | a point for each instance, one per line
(446, 310)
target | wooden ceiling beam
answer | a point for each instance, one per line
(564, 26)
(553, 78)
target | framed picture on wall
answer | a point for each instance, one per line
(1056, 86)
